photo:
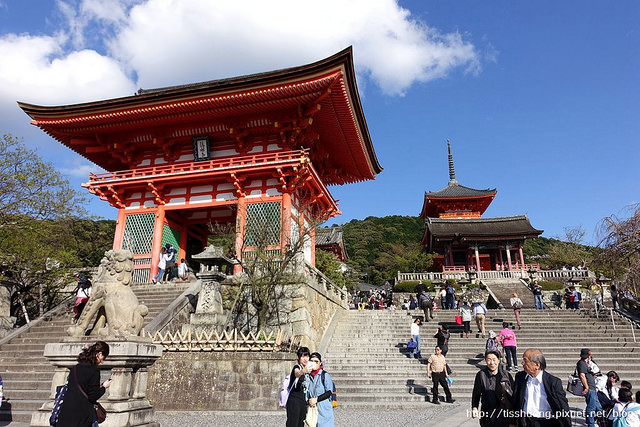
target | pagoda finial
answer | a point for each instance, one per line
(452, 172)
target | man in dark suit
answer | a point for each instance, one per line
(538, 396)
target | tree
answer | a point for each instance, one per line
(38, 208)
(32, 188)
(272, 275)
(620, 243)
(571, 251)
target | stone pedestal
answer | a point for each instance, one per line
(126, 400)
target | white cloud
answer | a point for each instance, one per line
(109, 48)
(80, 168)
(173, 41)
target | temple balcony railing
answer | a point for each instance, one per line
(228, 164)
(529, 273)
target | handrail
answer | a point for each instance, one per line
(313, 270)
(185, 167)
(169, 313)
(48, 315)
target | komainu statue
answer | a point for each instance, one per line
(112, 301)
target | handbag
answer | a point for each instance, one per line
(458, 320)
(574, 385)
(101, 413)
(61, 391)
(411, 345)
(312, 417)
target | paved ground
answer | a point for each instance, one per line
(445, 415)
(455, 415)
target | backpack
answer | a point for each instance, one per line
(333, 398)
(491, 344)
(285, 388)
(578, 297)
(450, 290)
(620, 418)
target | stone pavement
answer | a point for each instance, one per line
(444, 415)
(455, 415)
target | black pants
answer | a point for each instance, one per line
(540, 422)
(467, 326)
(440, 378)
(296, 409)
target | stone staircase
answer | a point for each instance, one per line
(369, 363)
(503, 288)
(27, 374)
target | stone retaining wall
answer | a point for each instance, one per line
(207, 381)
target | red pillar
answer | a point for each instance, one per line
(182, 250)
(312, 236)
(509, 257)
(285, 232)
(477, 258)
(241, 218)
(156, 242)
(501, 259)
(521, 257)
(120, 224)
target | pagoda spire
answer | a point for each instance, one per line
(452, 172)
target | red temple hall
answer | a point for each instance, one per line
(462, 238)
(230, 154)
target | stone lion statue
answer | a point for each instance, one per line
(112, 301)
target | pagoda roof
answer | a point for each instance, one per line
(444, 200)
(314, 106)
(455, 190)
(481, 228)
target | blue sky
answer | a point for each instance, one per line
(539, 99)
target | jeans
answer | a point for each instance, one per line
(416, 338)
(593, 405)
(539, 304)
(159, 275)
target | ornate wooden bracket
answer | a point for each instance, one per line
(158, 193)
(238, 182)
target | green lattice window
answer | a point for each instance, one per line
(263, 224)
(138, 233)
(170, 235)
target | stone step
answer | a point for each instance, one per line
(26, 375)
(15, 416)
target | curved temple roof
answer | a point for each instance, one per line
(517, 225)
(315, 106)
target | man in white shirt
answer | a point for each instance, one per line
(539, 396)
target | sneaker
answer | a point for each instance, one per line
(451, 400)
(435, 402)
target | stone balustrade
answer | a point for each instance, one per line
(548, 275)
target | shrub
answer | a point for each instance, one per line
(551, 286)
(410, 286)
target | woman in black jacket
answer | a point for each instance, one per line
(494, 388)
(298, 382)
(77, 410)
